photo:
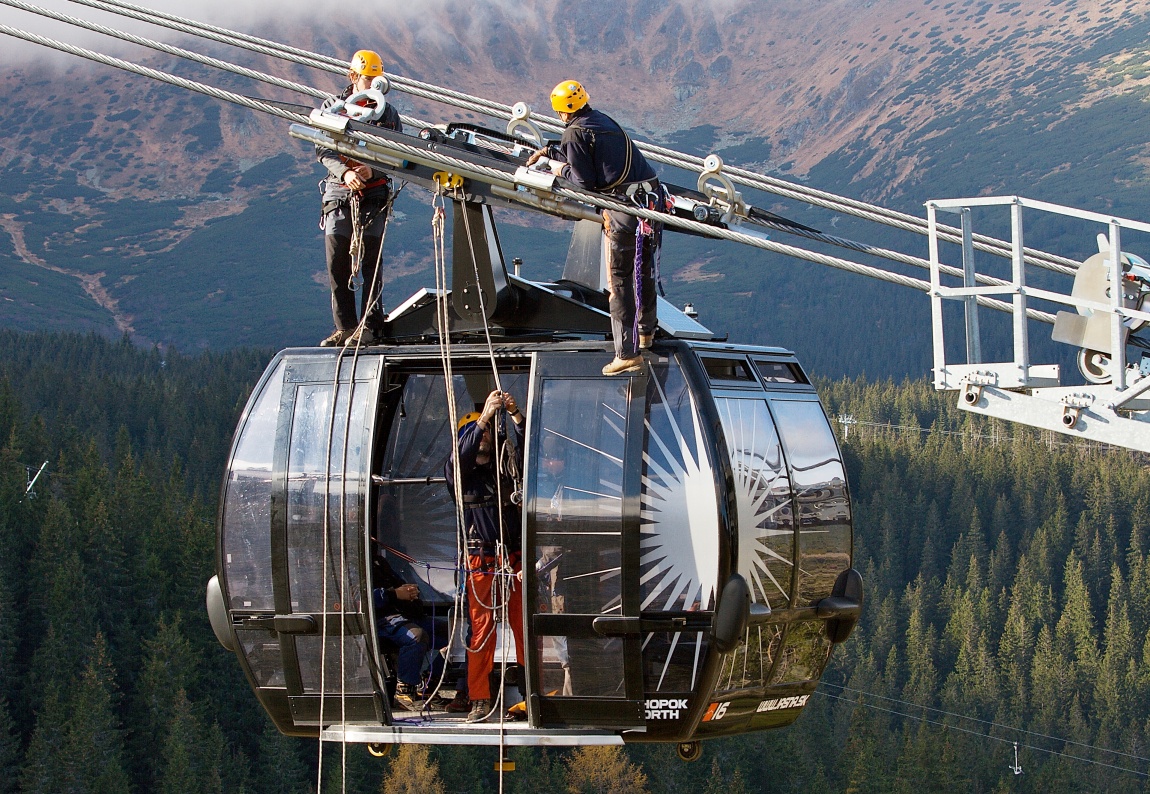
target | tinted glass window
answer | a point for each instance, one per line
(749, 665)
(322, 473)
(353, 661)
(579, 508)
(728, 369)
(763, 498)
(822, 509)
(247, 511)
(779, 371)
(805, 653)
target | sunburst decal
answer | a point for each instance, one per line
(763, 499)
(679, 516)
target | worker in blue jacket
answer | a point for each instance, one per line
(596, 154)
(489, 466)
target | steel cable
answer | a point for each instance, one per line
(660, 154)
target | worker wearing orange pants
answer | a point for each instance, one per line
(489, 586)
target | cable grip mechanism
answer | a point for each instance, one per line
(723, 194)
(521, 117)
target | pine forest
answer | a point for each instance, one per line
(1003, 644)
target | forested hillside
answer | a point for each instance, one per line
(1008, 600)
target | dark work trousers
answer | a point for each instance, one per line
(628, 278)
(337, 233)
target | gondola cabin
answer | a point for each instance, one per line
(686, 529)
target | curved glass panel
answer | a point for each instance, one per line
(680, 518)
(679, 565)
(319, 473)
(749, 665)
(578, 504)
(763, 499)
(805, 653)
(822, 508)
(247, 504)
(262, 651)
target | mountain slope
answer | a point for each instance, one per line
(132, 206)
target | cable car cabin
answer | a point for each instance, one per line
(686, 534)
(686, 529)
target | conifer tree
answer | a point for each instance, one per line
(603, 770)
(413, 771)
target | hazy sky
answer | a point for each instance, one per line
(242, 15)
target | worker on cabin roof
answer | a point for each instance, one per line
(596, 154)
(355, 207)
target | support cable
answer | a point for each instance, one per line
(499, 177)
(989, 723)
(981, 735)
(660, 154)
(323, 95)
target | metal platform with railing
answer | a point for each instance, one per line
(1106, 303)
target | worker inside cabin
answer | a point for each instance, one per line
(356, 203)
(596, 154)
(490, 465)
(417, 638)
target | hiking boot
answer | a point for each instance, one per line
(361, 336)
(621, 365)
(438, 702)
(460, 704)
(407, 697)
(479, 711)
(645, 341)
(338, 338)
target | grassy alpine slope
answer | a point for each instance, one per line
(191, 223)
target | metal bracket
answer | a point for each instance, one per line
(971, 393)
(1072, 407)
(973, 384)
(723, 194)
(521, 117)
(445, 180)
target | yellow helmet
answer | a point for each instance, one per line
(467, 419)
(568, 96)
(367, 63)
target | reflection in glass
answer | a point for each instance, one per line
(247, 511)
(822, 508)
(805, 654)
(354, 663)
(749, 665)
(577, 501)
(763, 497)
(262, 651)
(314, 473)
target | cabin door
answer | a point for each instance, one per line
(318, 540)
(584, 644)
